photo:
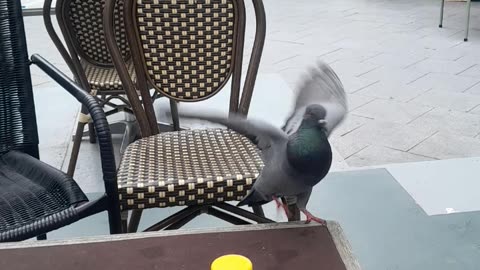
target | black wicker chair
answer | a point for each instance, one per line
(36, 198)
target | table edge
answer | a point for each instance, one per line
(338, 236)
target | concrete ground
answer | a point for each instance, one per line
(414, 88)
(406, 158)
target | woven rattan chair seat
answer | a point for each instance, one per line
(104, 79)
(34, 195)
(187, 168)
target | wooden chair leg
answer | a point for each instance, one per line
(76, 148)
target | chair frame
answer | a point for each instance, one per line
(109, 201)
(144, 110)
(71, 56)
(467, 20)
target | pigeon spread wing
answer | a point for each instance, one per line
(263, 134)
(321, 86)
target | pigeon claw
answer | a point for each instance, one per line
(281, 205)
(311, 218)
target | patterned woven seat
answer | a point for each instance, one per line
(103, 79)
(187, 168)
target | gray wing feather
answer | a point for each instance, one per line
(321, 86)
(261, 133)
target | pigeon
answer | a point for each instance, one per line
(297, 156)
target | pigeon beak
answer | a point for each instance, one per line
(322, 122)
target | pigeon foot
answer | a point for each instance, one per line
(311, 218)
(281, 205)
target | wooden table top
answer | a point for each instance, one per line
(277, 246)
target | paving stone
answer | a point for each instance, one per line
(355, 101)
(348, 146)
(439, 119)
(445, 82)
(391, 111)
(395, 60)
(350, 123)
(379, 155)
(474, 90)
(354, 84)
(394, 75)
(397, 136)
(392, 91)
(473, 71)
(351, 68)
(445, 145)
(449, 100)
(441, 66)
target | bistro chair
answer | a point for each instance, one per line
(186, 50)
(87, 56)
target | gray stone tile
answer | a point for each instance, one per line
(472, 71)
(349, 54)
(275, 51)
(355, 101)
(347, 146)
(445, 82)
(353, 84)
(445, 145)
(391, 111)
(351, 68)
(439, 42)
(351, 122)
(392, 91)
(380, 155)
(397, 136)
(394, 75)
(395, 60)
(475, 110)
(302, 60)
(450, 54)
(441, 66)
(449, 100)
(439, 119)
(359, 44)
(474, 90)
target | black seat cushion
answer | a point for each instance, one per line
(31, 190)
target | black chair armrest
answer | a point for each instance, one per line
(99, 119)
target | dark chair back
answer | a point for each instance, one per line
(82, 26)
(18, 125)
(186, 50)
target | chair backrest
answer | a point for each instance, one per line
(187, 50)
(18, 126)
(81, 23)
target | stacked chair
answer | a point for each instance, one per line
(186, 50)
(183, 50)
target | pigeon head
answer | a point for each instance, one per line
(314, 116)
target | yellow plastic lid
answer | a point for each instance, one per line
(232, 262)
